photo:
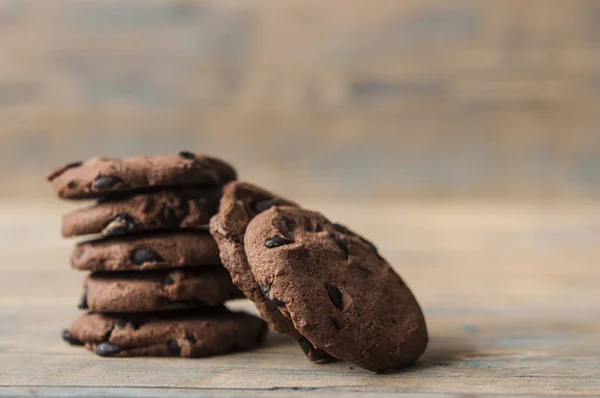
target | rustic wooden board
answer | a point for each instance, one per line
(395, 98)
(510, 292)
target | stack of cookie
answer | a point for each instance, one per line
(158, 280)
(156, 284)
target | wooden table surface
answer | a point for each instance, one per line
(510, 292)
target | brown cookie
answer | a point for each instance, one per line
(158, 290)
(177, 208)
(240, 203)
(184, 333)
(184, 248)
(335, 287)
(99, 177)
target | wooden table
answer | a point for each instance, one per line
(510, 292)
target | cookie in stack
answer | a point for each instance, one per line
(156, 285)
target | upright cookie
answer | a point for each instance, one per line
(158, 290)
(240, 203)
(99, 177)
(149, 251)
(172, 209)
(337, 290)
(190, 333)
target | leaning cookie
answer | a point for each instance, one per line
(335, 288)
(148, 251)
(240, 203)
(189, 333)
(158, 290)
(99, 177)
(172, 209)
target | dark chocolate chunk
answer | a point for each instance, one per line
(145, 255)
(125, 224)
(72, 184)
(266, 291)
(187, 155)
(342, 229)
(263, 205)
(191, 338)
(106, 182)
(306, 346)
(278, 302)
(170, 217)
(72, 165)
(335, 296)
(277, 241)
(174, 348)
(168, 280)
(83, 304)
(341, 243)
(69, 338)
(108, 349)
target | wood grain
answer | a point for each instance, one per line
(509, 291)
(417, 98)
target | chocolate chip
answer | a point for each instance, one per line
(278, 302)
(187, 155)
(83, 304)
(69, 338)
(306, 346)
(72, 184)
(173, 347)
(236, 239)
(277, 241)
(124, 224)
(170, 217)
(191, 338)
(341, 243)
(318, 228)
(342, 229)
(334, 322)
(106, 182)
(108, 349)
(145, 255)
(168, 280)
(266, 291)
(263, 205)
(335, 296)
(72, 165)
(371, 246)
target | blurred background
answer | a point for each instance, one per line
(380, 99)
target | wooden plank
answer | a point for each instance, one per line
(509, 291)
(394, 98)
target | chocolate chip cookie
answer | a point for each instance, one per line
(148, 251)
(173, 209)
(99, 177)
(240, 203)
(158, 290)
(189, 333)
(336, 289)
